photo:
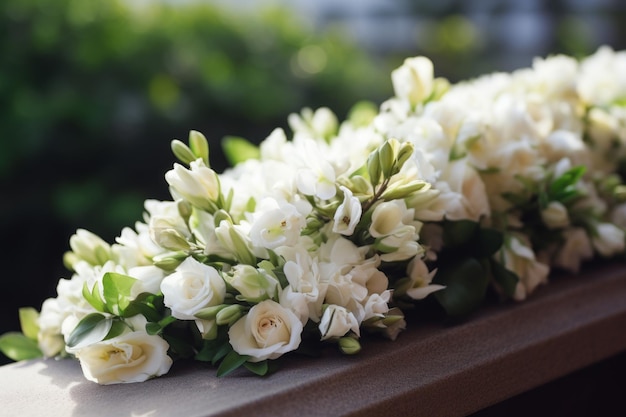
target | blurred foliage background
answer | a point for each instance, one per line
(92, 92)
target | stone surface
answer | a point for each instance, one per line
(432, 369)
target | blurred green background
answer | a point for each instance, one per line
(92, 92)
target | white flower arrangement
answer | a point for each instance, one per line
(446, 192)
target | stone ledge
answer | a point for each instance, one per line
(431, 370)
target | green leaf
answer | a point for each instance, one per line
(18, 347)
(153, 328)
(117, 328)
(146, 304)
(259, 368)
(231, 362)
(466, 284)
(456, 233)
(564, 187)
(238, 149)
(486, 242)
(91, 329)
(221, 351)
(116, 289)
(93, 298)
(505, 278)
(28, 322)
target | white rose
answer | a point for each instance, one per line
(609, 239)
(131, 357)
(192, 287)
(337, 321)
(268, 331)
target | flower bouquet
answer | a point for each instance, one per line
(446, 191)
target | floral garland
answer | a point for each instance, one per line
(445, 191)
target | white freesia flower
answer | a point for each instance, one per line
(316, 175)
(131, 357)
(413, 81)
(420, 279)
(377, 305)
(608, 240)
(305, 293)
(276, 223)
(198, 185)
(348, 213)
(576, 249)
(192, 287)
(520, 259)
(89, 247)
(336, 322)
(267, 332)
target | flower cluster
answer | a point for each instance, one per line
(446, 191)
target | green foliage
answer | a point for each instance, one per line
(466, 267)
(239, 149)
(18, 347)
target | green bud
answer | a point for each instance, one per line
(170, 260)
(199, 146)
(242, 248)
(349, 345)
(373, 168)
(359, 185)
(220, 215)
(184, 209)
(229, 315)
(89, 247)
(396, 192)
(391, 319)
(619, 192)
(440, 87)
(404, 153)
(70, 259)
(171, 239)
(182, 152)
(253, 284)
(209, 313)
(387, 157)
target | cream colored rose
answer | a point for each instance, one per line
(132, 357)
(192, 287)
(267, 332)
